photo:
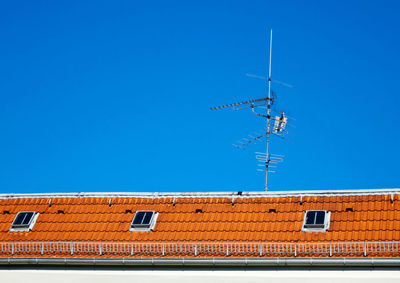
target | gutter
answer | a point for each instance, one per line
(206, 262)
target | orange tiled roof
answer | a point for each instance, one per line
(356, 216)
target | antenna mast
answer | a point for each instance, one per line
(267, 159)
(279, 126)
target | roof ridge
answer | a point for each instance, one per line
(232, 194)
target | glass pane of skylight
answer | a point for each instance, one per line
(310, 217)
(147, 218)
(320, 219)
(28, 217)
(18, 220)
(138, 217)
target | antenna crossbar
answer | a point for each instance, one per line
(239, 103)
(247, 141)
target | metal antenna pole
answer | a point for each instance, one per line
(267, 160)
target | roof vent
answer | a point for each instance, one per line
(272, 210)
(60, 211)
(109, 202)
(6, 212)
(349, 209)
(199, 210)
(128, 211)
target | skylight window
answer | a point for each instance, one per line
(24, 221)
(143, 221)
(316, 221)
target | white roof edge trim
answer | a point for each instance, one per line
(232, 194)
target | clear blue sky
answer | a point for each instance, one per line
(115, 95)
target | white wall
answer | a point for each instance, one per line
(198, 276)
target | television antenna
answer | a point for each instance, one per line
(277, 127)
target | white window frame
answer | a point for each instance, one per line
(28, 227)
(326, 224)
(147, 228)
